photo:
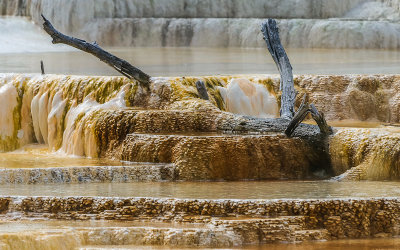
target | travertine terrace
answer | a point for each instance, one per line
(173, 136)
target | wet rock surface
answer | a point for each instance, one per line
(366, 154)
(194, 139)
(243, 221)
(144, 172)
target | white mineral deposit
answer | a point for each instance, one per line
(135, 156)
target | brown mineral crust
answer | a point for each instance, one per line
(362, 97)
(372, 154)
(228, 157)
(88, 174)
(342, 218)
(113, 126)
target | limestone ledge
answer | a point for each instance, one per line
(340, 218)
(224, 157)
(366, 153)
(104, 116)
(242, 232)
(144, 172)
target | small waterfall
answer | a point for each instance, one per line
(246, 98)
(366, 153)
(56, 110)
(66, 112)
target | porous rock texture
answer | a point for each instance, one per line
(255, 221)
(358, 97)
(361, 153)
(168, 122)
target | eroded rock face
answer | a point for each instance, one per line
(359, 97)
(224, 157)
(169, 123)
(361, 154)
(250, 221)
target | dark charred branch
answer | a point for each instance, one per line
(270, 33)
(118, 64)
(302, 113)
(320, 119)
(42, 67)
(202, 90)
(271, 37)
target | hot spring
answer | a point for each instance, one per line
(91, 160)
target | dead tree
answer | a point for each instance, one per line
(271, 37)
(302, 113)
(202, 90)
(118, 64)
(42, 67)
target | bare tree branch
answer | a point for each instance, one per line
(118, 64)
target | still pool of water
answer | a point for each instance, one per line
(38, 156)
(214, 190)
(360, 244)
(207, 61)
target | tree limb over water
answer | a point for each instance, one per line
(270, 33)
(118, 64)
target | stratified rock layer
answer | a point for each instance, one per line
(253, 221)
(168, 123)
(361, 154)
(89, 174)
(224, 157)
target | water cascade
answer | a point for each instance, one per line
(171, 134)
(245, 98)
(362, 154)
(112, 117)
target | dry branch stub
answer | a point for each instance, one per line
(118, 64)
(42, 67)
(320, 119)
(271, 37)
(302, 113)
(202, 90)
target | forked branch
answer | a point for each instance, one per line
(302, 113)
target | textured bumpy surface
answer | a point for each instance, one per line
(253, 221)
(366, 153)
(144, 172)
(113, 117)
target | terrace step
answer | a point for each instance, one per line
(87, 174)
(310, 235)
